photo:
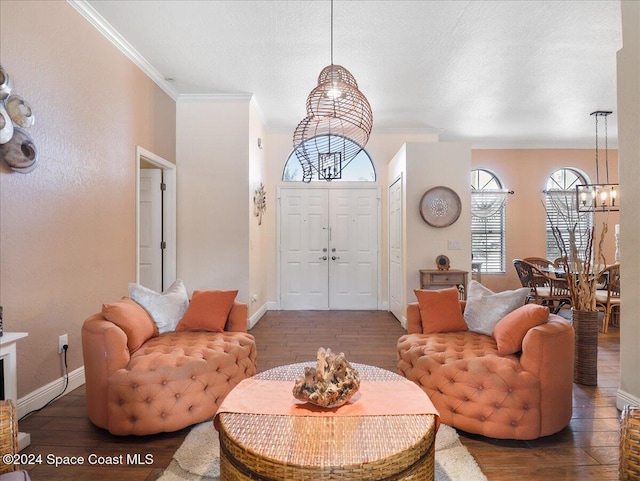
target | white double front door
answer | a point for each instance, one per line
(329, 248)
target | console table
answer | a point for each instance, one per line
(9, 365)
(437, 279)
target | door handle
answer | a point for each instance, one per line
(333, 258)
(323, 258)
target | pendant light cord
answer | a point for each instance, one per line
(331, 32)
(606, 148)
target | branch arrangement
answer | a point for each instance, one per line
(578, 252)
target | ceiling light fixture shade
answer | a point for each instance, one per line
(337, 126)
(599, 197)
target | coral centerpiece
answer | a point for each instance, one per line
(330, 384)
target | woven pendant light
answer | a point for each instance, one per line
(337, 126)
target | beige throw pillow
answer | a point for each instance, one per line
(485, 308)
(166, 308)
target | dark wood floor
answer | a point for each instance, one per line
(586, 450)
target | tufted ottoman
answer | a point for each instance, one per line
(171, 381)
(518, 396)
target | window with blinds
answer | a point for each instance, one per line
(488, 209)
(562, 210)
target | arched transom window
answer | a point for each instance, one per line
(488, 198)
(360, 169)
(562, 209)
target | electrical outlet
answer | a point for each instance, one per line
(62, 341)
(254, 298)
(453, 245)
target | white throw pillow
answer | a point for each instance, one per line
(166, 308)
(485, 308)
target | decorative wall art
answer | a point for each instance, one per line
(259, 203)
(440, 206)
(16, 146)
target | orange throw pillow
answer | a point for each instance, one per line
(511, 329)
(440, 310)
(208, 311)
(131, 317)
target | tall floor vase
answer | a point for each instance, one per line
(585, 367)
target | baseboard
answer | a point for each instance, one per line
(253, 320)
(41, 396)
(623, 398)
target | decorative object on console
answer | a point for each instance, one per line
(166, 308)
(17, 148)
(440, 206)
(259, 203)
(337, 126)
(330, 384)
(599, 197)
(442, 263)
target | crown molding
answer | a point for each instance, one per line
(106, 29)
(215, 98)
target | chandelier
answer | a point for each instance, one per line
(337, 125)
(599, 197)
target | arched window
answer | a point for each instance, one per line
(562, 210)
(488, 221)
(360, 169)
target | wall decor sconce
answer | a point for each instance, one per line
(16, 146)
(259, 203)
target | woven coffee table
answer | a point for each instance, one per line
(317, 448)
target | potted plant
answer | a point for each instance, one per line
(577, 248)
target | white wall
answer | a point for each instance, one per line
(432, 164)
(629, 165)
(257, 233)
(212, 152)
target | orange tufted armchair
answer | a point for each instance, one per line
(171, 381)
(517, 396)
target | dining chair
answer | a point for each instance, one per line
(539, 262)
(542, 264)
(609, 299)
(544, 289)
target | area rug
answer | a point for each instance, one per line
(198, 457)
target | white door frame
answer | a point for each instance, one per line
(328, 185)
(168, 211)
(403, 319)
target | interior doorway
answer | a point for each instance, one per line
(328, 248)
(155, 220)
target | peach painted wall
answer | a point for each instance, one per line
(526, 172)
(67, 229)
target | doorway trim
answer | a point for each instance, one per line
(168, 215)
(321, 185)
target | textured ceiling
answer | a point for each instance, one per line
(494, 73)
